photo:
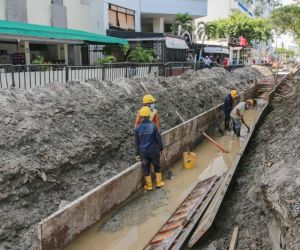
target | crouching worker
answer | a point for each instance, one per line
(148, 147)
(237, 115)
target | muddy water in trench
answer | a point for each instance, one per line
(135, 224)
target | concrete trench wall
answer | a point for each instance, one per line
(65, 225)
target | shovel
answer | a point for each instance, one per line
(246, 126)
(170, 174)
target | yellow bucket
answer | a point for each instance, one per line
(189, 160)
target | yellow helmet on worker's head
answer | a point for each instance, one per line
(148, 99)
(234, 93)
(145, 111)
(251, 102)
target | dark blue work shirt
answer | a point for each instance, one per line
(148, 140)
(227, 107)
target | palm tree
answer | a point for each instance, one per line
(182, 23)
(141, 55)
(205, 30)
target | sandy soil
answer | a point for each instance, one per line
(60, 141)
(264, 197)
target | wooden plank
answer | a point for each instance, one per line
(234, 237)
(167, 234)
(189, 227)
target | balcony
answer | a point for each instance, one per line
(167, 8)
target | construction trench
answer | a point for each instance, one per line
(128, 218)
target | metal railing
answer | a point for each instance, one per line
(28, 76)
(113, 71)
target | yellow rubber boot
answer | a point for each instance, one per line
(159, 182)
(148, 181)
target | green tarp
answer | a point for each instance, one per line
(33, 30)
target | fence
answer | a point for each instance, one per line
(26, 77)
(112, 71)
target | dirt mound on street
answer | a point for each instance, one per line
(61, 140)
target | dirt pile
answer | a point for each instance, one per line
(60, 141)
(264, 70)
(264, 199)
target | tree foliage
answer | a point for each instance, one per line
(183, 22)
(255, 30)
(288, 53)
(141, 55)
(206, 31)
(287, 19)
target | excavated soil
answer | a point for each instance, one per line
(265, 194)
(59, 141)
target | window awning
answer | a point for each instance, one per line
(175, 43)
(218, 50)
(18, 29)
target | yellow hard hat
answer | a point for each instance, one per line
(234, 93)
(145, 111)
(251, 102)
(148, 99)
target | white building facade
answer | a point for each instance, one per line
(95, 16)
(88, 15)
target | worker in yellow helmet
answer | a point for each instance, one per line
(229, 103)
(149, 101)
(148, 148)
(237, 115)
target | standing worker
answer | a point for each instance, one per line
(229, 103)
(149, 101)
(237, 115)
(148, 148)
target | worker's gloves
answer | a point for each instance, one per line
(138, 158)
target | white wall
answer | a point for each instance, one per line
(39, 12)
(2, 10)
(217, 9)
(195, 8)
(97, 16)
(78, 15)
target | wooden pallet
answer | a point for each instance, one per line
(174, 232)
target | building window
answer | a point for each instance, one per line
(57, 2)
(121, 18)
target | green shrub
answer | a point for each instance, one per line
(141, 55)
(108, 59)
